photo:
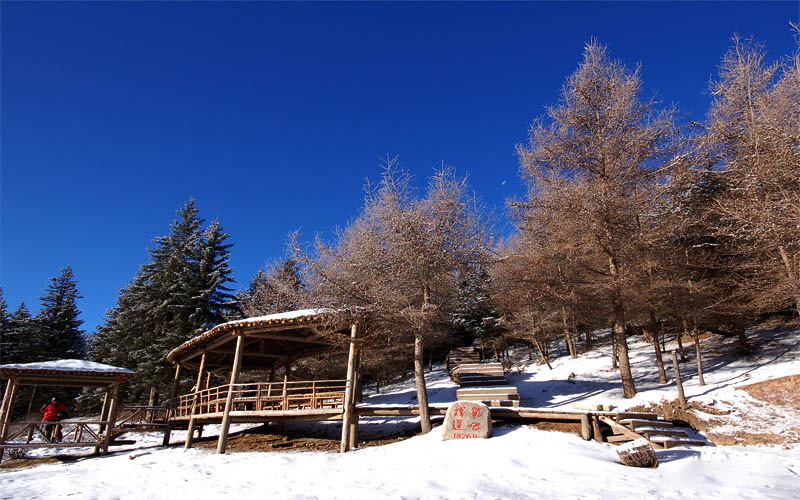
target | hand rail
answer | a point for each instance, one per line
(264, 396)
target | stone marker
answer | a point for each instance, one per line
(467, 420)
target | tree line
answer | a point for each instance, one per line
(54, 333)
(631, 220)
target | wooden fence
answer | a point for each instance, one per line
(31, 434)
(264, 396)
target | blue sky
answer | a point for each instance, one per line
(271, 115)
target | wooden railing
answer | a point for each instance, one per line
(264, 396)
(74, 433)
(131, 416)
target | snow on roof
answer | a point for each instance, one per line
(67, 365)
(285, 318)
(288, 315)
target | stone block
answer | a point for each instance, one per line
(467, 420)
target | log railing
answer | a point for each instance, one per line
(31, 434)
(131, 416)
(264, 396)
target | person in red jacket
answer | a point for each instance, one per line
(53, 412)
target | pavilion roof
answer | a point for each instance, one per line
(269, 339)
(65, 372)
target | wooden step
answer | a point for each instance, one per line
(500, 402)
(491, 397)
(509, 389)
(619, 438)
(635, 423)
(659, 431)
(482, 382)
(669, 441)
(635, 414)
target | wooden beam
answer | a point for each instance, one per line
(252, 354)
(195, 401)
(222, 443)
(287, 338)
(344, 446)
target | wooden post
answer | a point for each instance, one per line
(598, 434)
(678, 381)
(195, 402)
(112, 415)
(222, 443)
(353, 441)
(103, 414)
(287, 366)
(348, 391)
(586, 427)
(5, 414)
(168, 428)
(5, 409)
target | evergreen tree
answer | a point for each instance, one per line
(60, 333)
(277, 289)
(179, 294)
(475, 316)
(19, 341)
(5, 324)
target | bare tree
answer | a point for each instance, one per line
(398, 261)
(594, 159)
(753, 146)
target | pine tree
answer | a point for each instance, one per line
(179, 294)
(277, 288)
(5, 324)
(61, 336)
(20, 343)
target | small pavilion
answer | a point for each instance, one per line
(262, 344)
(61, 373)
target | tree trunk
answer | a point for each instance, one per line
(541, 353)
(791, 273)
(662, 374)
(699, 357)
(589, 345)
(614, 365)
(567, 336)
(422, 391)
(679, 337)
(628, 387)
(744, 346)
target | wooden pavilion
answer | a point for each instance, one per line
(264, 344)
(61, 373)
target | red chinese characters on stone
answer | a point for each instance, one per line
(467, 420)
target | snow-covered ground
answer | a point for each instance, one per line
(517, 462)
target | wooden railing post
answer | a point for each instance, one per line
(222, 443)
(112, 414)
(168, 428)
(195, 402)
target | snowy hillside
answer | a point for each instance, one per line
(517, 462)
